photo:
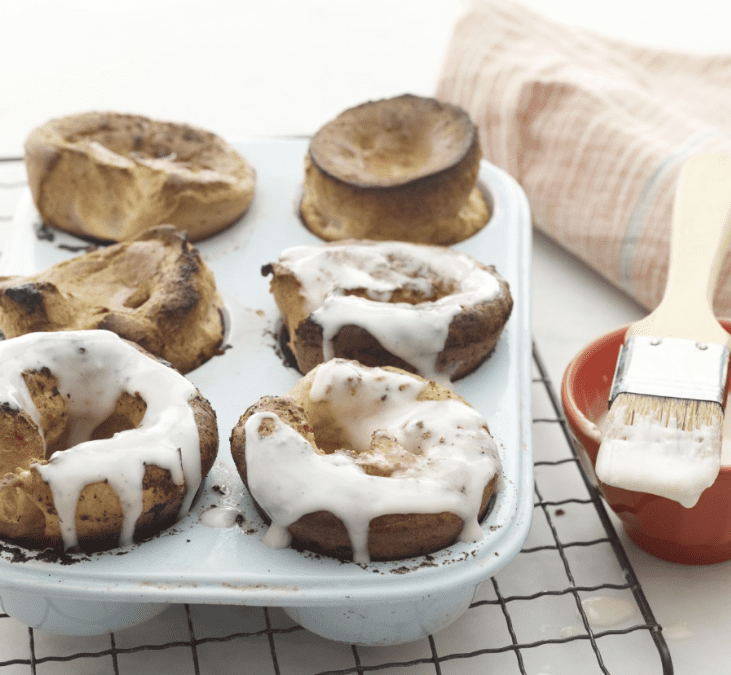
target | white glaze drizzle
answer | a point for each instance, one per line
(651, 457)
(220, 517)
(455, 457)
(93, 369)
(414, 332)
(595, 431)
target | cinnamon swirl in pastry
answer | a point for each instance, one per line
(101, 444)
(427, 309)
(154, 290)
(367, 464)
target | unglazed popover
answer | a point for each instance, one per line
(101, 444)
(367, 464)
(154, 290)
(427, 309)
(403, 168)
(109, 176)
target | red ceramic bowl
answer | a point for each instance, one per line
(699, 535)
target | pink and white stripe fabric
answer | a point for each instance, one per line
(594, 129)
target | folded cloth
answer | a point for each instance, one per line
(594, 129)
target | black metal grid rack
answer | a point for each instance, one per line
(532, 614)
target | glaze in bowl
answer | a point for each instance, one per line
(695, 536)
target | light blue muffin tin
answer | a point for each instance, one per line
(376, 604)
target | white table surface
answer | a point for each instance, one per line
(278, 68)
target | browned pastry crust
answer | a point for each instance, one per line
(403, 168)
(27, 513)
(109, 176)
(472, 336)
(155, 290)
(391, 536)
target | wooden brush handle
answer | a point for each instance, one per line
(701, 230)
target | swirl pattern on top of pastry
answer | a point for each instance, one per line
(426, 309)
(367, 463)
(154, 290)
(109, 176)
(101, 444)
(402, 168)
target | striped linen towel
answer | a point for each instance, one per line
(594, 129)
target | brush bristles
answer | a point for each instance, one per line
(688, 415)
(663, 446)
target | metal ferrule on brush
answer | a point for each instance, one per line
(671, 368)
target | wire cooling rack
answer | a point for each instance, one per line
(534, 617)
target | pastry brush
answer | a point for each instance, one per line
(663, 431)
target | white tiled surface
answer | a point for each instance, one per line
(283, 67)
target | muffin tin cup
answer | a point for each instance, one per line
(195, 562)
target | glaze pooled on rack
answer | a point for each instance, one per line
(101, 442)
(426, 309)
(367, 463)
